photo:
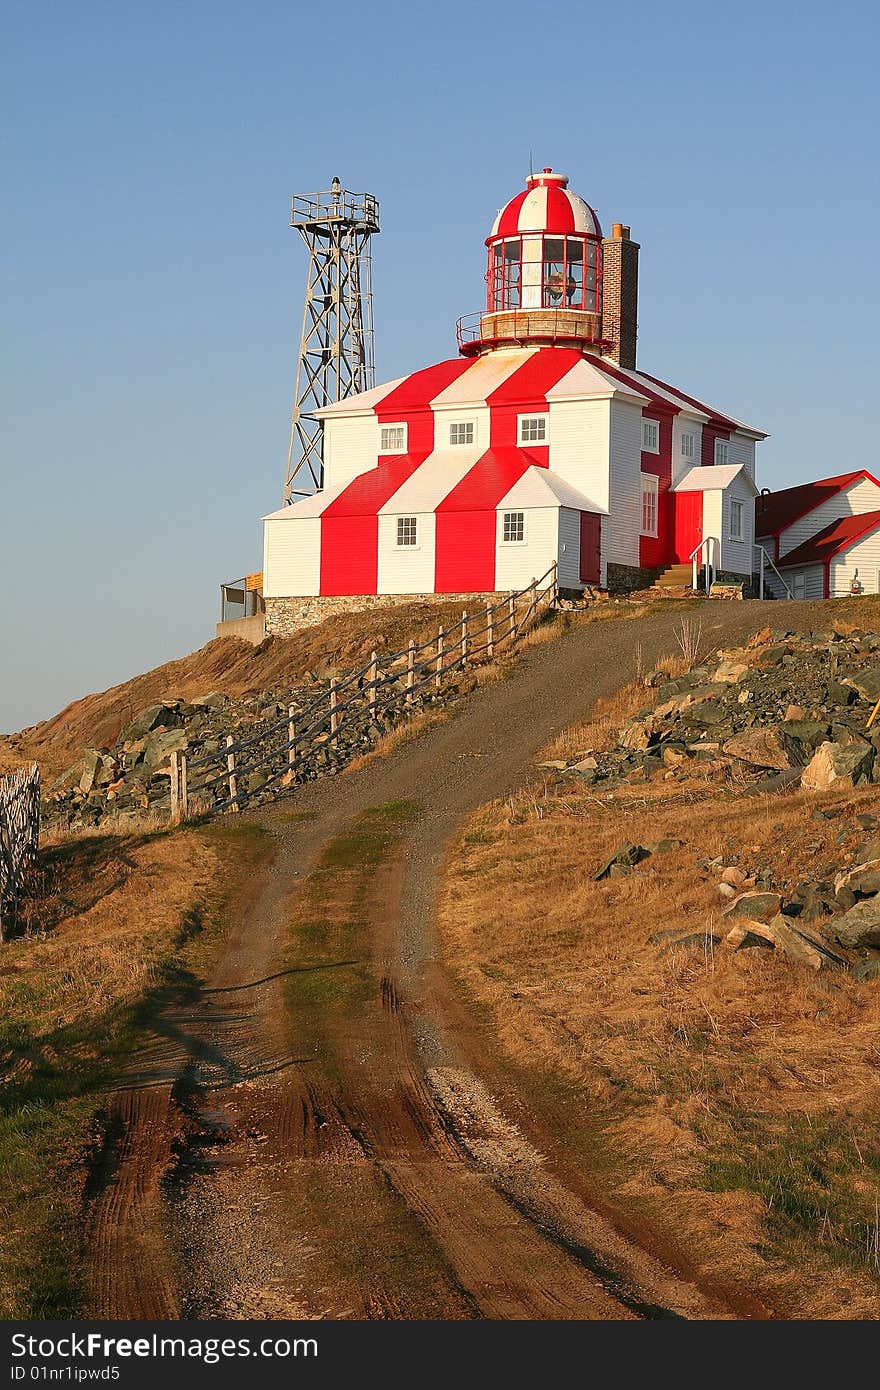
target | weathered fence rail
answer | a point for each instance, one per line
(19, 836)
(392, 686)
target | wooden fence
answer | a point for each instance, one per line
(19, 836)
(306, 741)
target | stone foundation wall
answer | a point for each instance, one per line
(624, 579)
(285, 616)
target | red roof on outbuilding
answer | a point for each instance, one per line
(819, 549)
(774, 511)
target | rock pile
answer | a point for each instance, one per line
(789, 709)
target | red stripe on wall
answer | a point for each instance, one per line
(524, 392)
(350, 527)
(466, 525)
(711, 432)
(410, 403)
(658, 550)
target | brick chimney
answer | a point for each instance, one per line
(620, 295)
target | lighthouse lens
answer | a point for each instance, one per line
(554, 271)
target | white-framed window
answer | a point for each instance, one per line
(650, 487)
(462, 432)
(651, 436)
(688, 445)
(722, 451)
(407, 530)
(737, 517)
(533, 429)
(514, 528)
(392, 439)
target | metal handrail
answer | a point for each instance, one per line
(710, 569)
(766, 560)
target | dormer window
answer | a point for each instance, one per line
(533, 429)
(392, 439)
(688, 442)
(722, 452)
(462, 432)
(651, 436)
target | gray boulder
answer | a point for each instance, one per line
(161, 745)
(835, 762)
(860, 926)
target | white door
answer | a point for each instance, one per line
(799, 586)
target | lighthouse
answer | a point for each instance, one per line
(546, 276)
(540, 441)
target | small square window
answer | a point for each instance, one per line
(722, 452)
(392, 439)
(650, 487)
(407, 530)
(736, 520)
(651, 436)
(533, 429)
(688, 442)
(514, 527)
(462, 433)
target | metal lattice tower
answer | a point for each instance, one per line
(336, 346)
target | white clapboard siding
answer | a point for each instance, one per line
(580, 446)
(351, 446)
(738, 556)
(742, 450)
(569, 557)
(518, 563)
(407, 569)
(863, 556)
(291, 556)
(445, 417)
(863, 495)
(621, 535)
(804, 581)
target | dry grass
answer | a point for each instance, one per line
(120, 920)
(733, 1095)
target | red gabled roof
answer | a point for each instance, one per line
(714, 415)
(774, 511)
(819, 549)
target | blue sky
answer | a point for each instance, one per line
(152, 286)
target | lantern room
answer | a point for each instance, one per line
(544, 274)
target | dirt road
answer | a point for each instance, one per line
(322, 1132)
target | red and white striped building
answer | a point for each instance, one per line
(539, 441)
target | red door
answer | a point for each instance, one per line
(688, 524)
(591, 543)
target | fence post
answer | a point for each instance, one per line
(334, 701)
(490, 631)
(439, 676)
(233, 780)
(410, 672)
(511, 618)
(374, 674)
(184, 789)
(175, 788)
(291, 735)
(464, 639)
